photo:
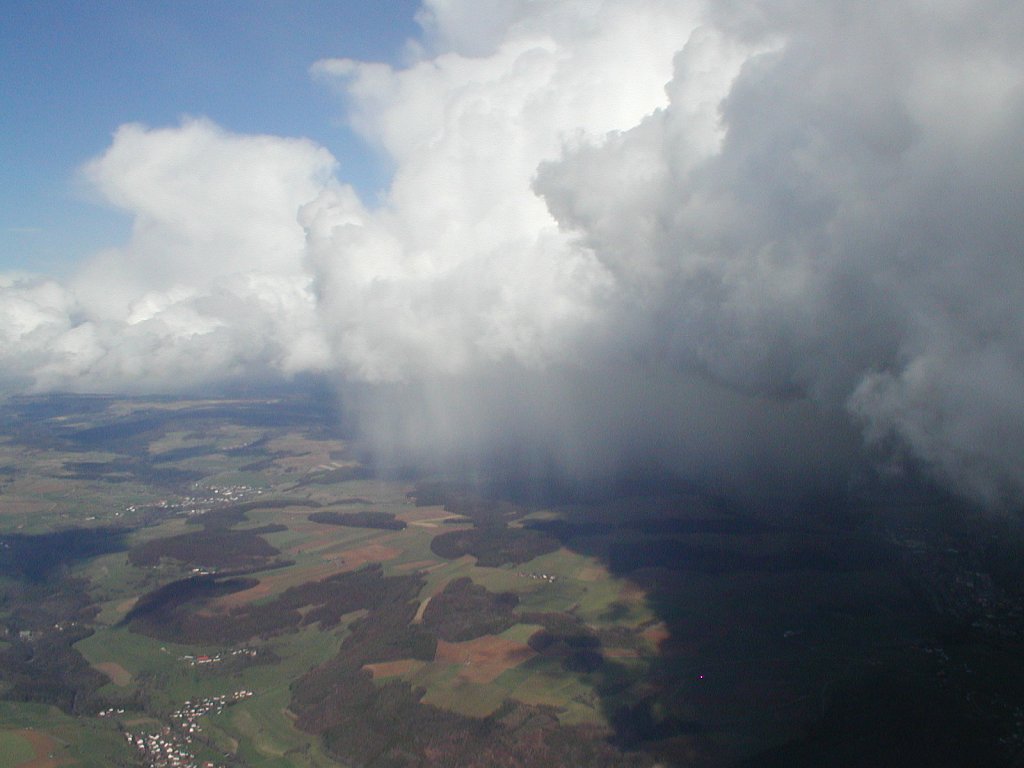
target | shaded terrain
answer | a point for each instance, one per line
(36, 557)
(835, 637)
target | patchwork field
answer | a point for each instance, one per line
(29, 748)
(163, 476)
(227, 577)
(16, 748)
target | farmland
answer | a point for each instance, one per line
(220, 534)
(157, 552)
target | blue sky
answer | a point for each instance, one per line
(73, 72)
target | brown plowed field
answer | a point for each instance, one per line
(485, 658)
(44, 746)
(118, 675)
(413, 514)
(419, 565)
(371, 553)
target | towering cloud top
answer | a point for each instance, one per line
(719, 237)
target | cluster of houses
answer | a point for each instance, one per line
(540, 576)
(191, 711)
(197, 505)
(171, 746)
(164, 749)
(194, 661)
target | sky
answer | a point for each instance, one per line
(768, 246)
(73, 72)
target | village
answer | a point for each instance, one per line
(172, 745)
(190, 506)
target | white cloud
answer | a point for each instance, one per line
(212, 284)
(206, 205)
(704, 234)
(464, 265)
(33, 313)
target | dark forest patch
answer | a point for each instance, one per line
(566, 638)
(212, 548)
(38, 408)
(114, 436)
(39, 663)
(173, 612)
(166, 600)
(46, 668)
(464, 611)
(384, 521)
(125, 470)
(220, 518)
(356, 718)
(493, 547)
(35, 557)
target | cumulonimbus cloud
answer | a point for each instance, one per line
(698, 234)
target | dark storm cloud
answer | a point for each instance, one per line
(855, 239)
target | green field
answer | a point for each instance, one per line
(14, 749)
(53, 488)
